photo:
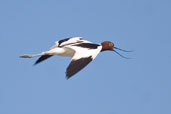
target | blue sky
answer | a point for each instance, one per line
(109, 84)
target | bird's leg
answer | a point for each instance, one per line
(31, 55)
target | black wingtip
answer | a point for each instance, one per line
(35, 64)
(68, 76)
(76, 65)
(42, 58)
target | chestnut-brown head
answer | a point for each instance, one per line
(107, 45)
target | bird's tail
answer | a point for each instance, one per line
(30, 55)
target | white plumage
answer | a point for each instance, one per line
(81, 51)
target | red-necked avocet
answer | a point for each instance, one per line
(81, 51)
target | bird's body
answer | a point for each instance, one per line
(81, 51)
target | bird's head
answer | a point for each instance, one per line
(107, 45)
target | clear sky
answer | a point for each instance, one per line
(109, 84)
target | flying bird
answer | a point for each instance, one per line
(81, 51)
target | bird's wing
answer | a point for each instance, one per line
(69, 41)
(42, 58)
(66, 42)
(84, 54)
(62, 43)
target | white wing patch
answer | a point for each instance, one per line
(84, 52)
(68, 41)
(81, 58)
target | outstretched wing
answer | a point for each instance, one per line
(76, 65)
(84, 54)
(42, 58)
(60, 44)
(69, 41)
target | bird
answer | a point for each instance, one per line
(81, 51)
